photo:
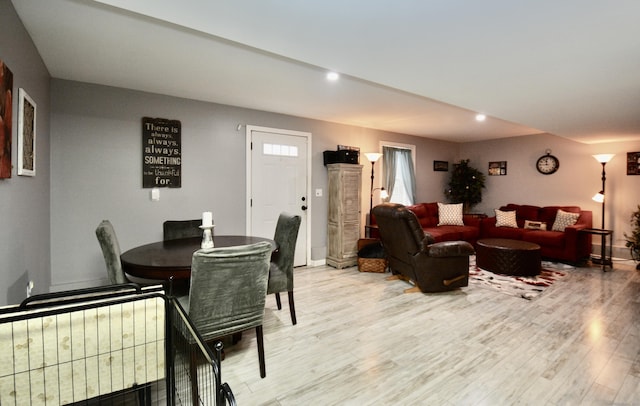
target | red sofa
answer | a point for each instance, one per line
(567, 246)
(427, 214)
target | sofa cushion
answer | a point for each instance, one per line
(469, 233)
(545, 238)
(548, 213)
(432, 214)
(523, 212)
(444, 233)
(504, 232)
(450, 214)
(454, 233)
(421, 212)
(506, 218)
(564, 219)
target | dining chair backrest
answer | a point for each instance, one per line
(286, 236)
(228, 289)
(111, 252)
(174, 229)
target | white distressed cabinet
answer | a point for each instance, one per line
(343, 229)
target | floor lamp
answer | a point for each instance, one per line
(372, 157)
(599, 197)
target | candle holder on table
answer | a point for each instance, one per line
(207, 237)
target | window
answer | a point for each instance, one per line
(399, 173)
(279, 150)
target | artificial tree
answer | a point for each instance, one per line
(633, 239)
(465, 185)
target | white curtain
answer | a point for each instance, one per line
(398, 163)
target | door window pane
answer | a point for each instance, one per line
(280, 150)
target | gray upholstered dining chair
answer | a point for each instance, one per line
(174, 229)
(228, 292)
(281, 267)
(111, 252)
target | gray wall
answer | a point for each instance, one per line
(96, 170)
(24, 201)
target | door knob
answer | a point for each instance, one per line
(303, 208)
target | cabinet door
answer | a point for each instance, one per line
(350, 237)
(350, 196)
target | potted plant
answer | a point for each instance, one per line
(465, 185)
(633, 239)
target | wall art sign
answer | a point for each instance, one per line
(6, 108)
(161, 153)
(498, 168)
(26, 134)
(633, 163)
(441, 166)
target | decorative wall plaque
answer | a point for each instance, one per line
(633, 163)
(6, 103)
(161, 153)
(498, 168)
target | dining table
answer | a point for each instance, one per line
(171, 259)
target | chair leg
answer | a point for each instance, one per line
(260, 342)
(278, 302)
(292, 308)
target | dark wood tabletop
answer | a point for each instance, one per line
(172, 258)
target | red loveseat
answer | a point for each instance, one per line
(427, 214)
(567, 246)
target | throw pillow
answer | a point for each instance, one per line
(450, 214)
(535, 225)
(506, 219)
(564, 219)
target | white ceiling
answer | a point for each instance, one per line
(422, 67)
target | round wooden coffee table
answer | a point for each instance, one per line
(508, 257)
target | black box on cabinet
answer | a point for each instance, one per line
(341, 157)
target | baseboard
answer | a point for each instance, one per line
(78, 285)
(616, 251)
(317, 262)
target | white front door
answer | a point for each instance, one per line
(279, 168)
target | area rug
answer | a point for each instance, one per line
(526, 287)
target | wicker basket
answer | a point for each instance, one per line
(372, 265)
(378, 265)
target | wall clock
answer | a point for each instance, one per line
(547, 164)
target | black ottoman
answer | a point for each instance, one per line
(508, 257)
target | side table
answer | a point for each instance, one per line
(603, 260)
(371, 231)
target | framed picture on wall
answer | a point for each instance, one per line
(498, 168)
(633, 163)
(26, 134)
(6, 101)
(441, 166)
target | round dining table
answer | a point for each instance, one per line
(171, 259)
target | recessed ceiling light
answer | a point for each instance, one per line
(480, 117)
(333, 76)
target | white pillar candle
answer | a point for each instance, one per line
(207, 219)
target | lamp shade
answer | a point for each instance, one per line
(598, 197)
(604, 158)
(373, 156)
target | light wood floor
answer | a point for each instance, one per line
(360, 341)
